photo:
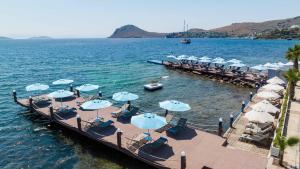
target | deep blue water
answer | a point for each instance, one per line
(117, 65)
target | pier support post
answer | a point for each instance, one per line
(51, 112)
(256, 87)
(78, 93)
(71, 88)
(30, 104)
(100, 94)
(220, 130)
(183, 160)
(166, 113)
(231, 120)
(250, 96)
(14, 93)
(119, 138)
(129, 107)
(243, 106)
(78, 122)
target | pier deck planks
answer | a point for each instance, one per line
(201, 148)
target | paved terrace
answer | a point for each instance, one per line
(238, 128)
(201, 148)
(291, 154)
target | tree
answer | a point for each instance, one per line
(292, 76)
(283, 143)
(293, 54)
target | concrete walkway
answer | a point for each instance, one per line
(291, 154)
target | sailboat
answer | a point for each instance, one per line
(185, 40)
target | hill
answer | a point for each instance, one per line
(131, 31)
(254, 28)
(40, 37)
(245, 29)
(293, 33)
(4, 38)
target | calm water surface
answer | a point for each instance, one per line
(27, 141)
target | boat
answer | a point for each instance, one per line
(186, 41)
(185, 31)
(153, 86)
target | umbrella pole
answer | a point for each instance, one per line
(128, 102)
(97, 113)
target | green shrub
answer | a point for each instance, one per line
(281, 120)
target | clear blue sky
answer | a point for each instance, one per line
(98, 18)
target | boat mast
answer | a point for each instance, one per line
(183, 27)
(187, 28)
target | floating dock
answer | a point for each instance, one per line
(191, 149)
(223, 75)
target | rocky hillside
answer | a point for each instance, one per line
(252, 28)
(4, 38)
(245, 29)
(131, 31)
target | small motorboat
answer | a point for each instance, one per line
(153, 86)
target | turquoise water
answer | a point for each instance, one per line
(27, 141)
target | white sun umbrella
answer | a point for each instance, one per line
(259, 67)
(36, 86)
(60, 94)
(289, 64)
(124, 97)
(276, 80)
(174, 105)
(172, 56)
(192, 58)
(265, 106)
(280, 64)
(148, 121)
(87, 87)
(96, 105)
(62, 82)
(259, 116)
(218, 60)
(182, 57)
(205, 58)
(272, 66)
(234, 61)
(238, 65)
(268, 95)
(273, 87)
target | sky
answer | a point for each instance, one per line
(99, 18)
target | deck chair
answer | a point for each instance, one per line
(181, 125)
(158, 143)
(260, 139)
(128, 114)
(105, 124)
(117, 113)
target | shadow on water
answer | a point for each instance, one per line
(90, 153)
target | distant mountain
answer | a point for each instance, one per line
(254, 28)
(245, 29)
(4, 38)
(41, 37)
(131, 31)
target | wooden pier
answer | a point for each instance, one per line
(219, 73)
(192, 148)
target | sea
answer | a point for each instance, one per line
(29, 141)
